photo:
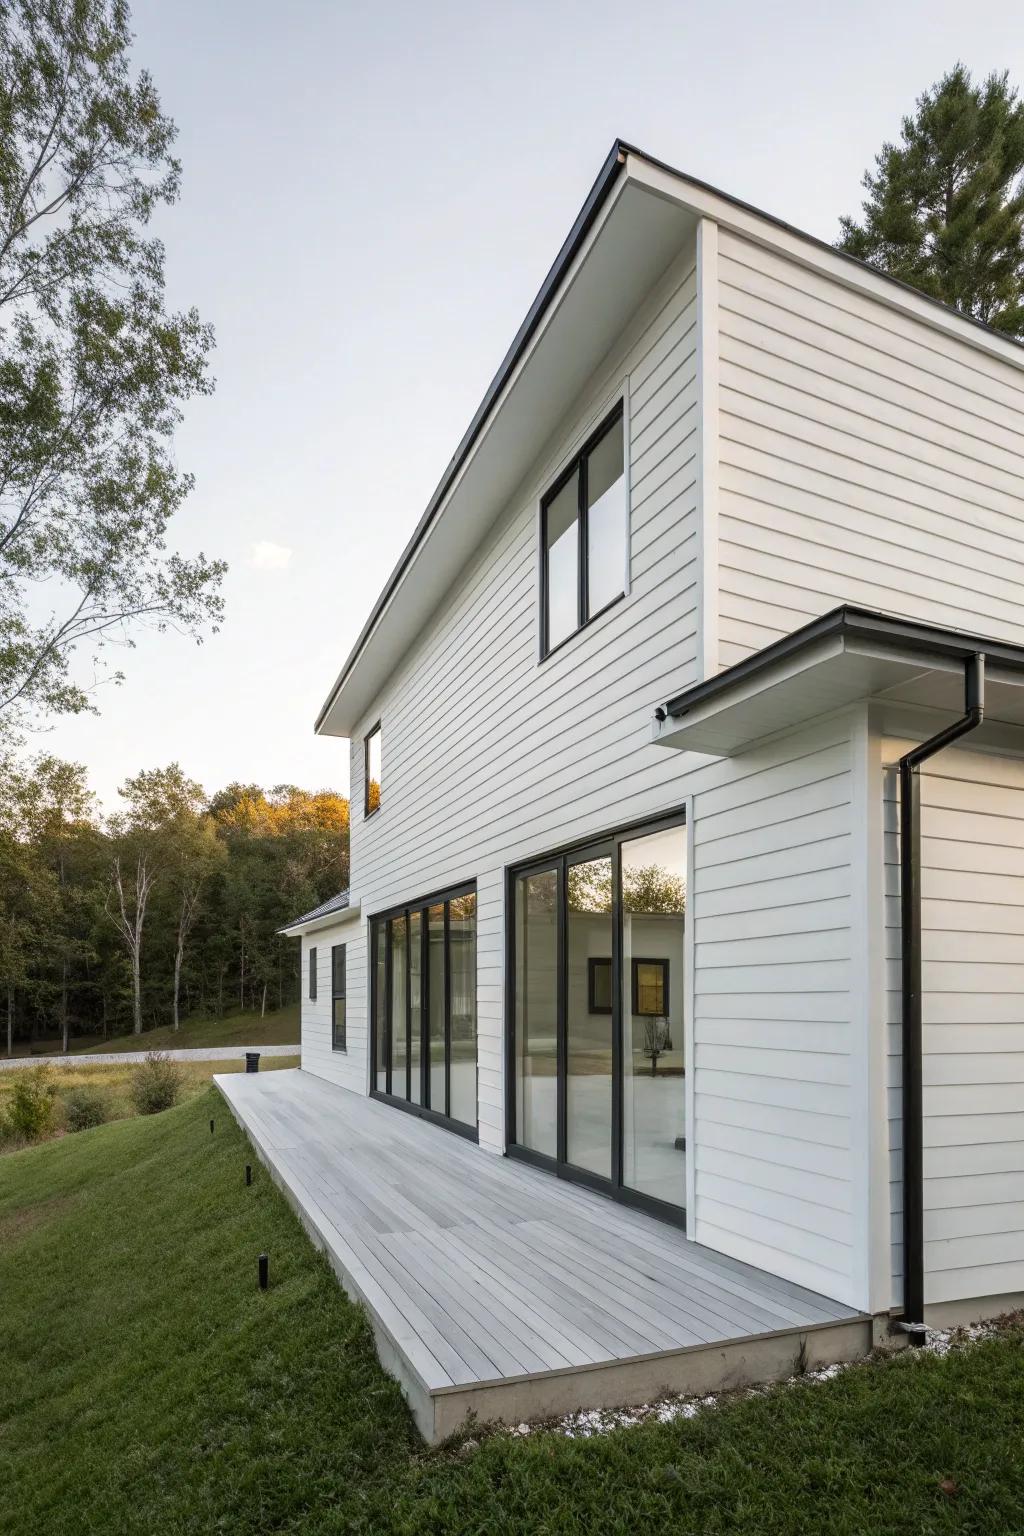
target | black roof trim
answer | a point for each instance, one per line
(595, 200)
(851, 623)
(336, 903)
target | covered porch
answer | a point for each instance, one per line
(497, 1291)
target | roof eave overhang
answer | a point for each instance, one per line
(328, 920)
(847, 657)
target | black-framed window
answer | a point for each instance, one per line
(583, 535)
(339, 1037)
(650, 988)
(372, 771)
(596, 1093)
(599, 984)
(312, 975)
(423, 1007)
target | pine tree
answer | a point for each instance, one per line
(945, 206)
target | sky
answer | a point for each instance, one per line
(372, 197)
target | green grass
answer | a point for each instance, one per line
(147, 1386)
(280, 1027)
(113, 1082)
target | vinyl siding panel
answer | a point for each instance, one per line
(774, 1035)
(972, 823)
(490, 756)
(864, 458)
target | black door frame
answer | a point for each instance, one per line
(383, 921)
(560, 861)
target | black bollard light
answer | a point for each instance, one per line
(211, 1127)
(264, 1271)
(248, 1173)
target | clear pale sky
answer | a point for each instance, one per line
(373, 194)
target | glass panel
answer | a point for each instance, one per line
(373, 772)
(561, 552)
(462, 970)
(338, 1041)
(415, 1003)
(380, 945)
(435, 971)
(588, 1085)
(653, 931)
(536, 1011)
(606, 520)
(398, 1006)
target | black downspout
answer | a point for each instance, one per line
(910, 955)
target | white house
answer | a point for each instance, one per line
(738, 525)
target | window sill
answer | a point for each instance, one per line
(594, 618)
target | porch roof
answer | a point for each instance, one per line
(847, 655)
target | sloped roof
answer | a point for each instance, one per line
(336, 903)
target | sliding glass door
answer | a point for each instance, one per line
(597, 942)
(423, 1008)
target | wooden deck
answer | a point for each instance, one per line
(496, 1290)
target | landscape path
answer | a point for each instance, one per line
(190, 1053)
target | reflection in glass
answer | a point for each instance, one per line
(372, 767)
(399, 1045)
(606, 520)
(435, 969)
(380, 998)
(561, 553)
(415, 1002)
(588, 1034)
(653, 933)
(462, 971)
(536, 1004)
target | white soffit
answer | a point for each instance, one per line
(829, 675)
(637, 238)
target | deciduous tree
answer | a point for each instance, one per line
(94, 367)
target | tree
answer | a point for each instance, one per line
(28, 896)
(93, 367)
(945, 206)
(160, 802)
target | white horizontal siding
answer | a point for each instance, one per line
(346, 1067)
(774, 1036)
(489, 756)
(864, 458)
(972, 878)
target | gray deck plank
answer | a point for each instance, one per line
(481, 1269)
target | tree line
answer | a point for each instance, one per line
(166, 908)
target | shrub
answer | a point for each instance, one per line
(30, 1111)
(156, 1084)
(84, 1108)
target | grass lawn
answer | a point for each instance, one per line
(148, 1386)
(280, 1028)
(114, 1082)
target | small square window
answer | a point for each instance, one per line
(650, 988)
(372, 770)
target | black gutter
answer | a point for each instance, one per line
(850, 623)
(595, 201)
(910, 956)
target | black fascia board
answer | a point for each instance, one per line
(864, 624)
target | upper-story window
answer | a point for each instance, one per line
(583, 535)
(371, 766)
